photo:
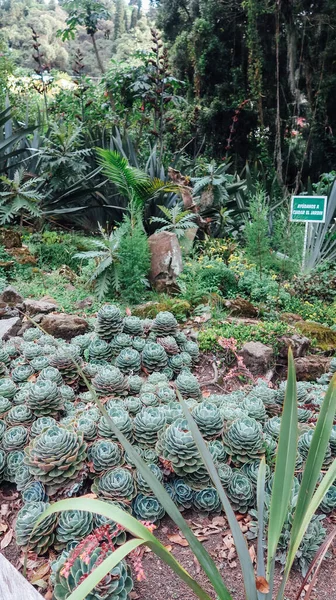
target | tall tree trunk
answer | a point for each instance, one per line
(99, 61)
(277, 144)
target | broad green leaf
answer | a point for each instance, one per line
(261, 509)
(105, 567)
(285, 464)
(239, 540)
(316, 456)
(315, 502)
(131, 524)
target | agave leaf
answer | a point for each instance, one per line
(285, 464)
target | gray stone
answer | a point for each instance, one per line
(34, 307)
(62, 325)
(11, 296)
(310, 368)
(9, 327)
(257, 357)
(299, 344)
(166, 261)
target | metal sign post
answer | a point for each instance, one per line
(308, 209)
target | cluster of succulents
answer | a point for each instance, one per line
(243, 440)
(43, 536)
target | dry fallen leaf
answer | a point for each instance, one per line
(41, 584)
(177, 539)
(231, 554)
(219, 521)
(6, 540)
(90, 496)
(134, 596)
(252, 553)
(3, 527)
(4, 509)
(48, 595)
(262, 585)
(169, 548)
(197, 565)
(40, 573)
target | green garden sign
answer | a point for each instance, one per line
(308, 209)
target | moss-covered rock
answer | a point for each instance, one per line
(325, 338)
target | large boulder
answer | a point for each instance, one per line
(310, 368)
(11, 296)
(298, 343)
(9, 327)
(166, 261)
(34, 307)
(62, 325)
(257, 357)
(239, 307)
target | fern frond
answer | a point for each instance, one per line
(89, 254)
(102, 285)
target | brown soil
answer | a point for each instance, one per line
(162, 584)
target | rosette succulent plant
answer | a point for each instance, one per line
(44, 398)
(73, 525)
(164, 324)
(32, 334)
(116, 585)
(255, 408)
(272, 427)
(19, 415)
(105, 455)
(117, 533)
(64, 360)
(154, 357)
(225, 474)
(179, 448)
(8, 388)
(133, 325)
(34, 492)
(110, 381)
(90, 370)
(173, 411)
(2, 429)
(169, 344)
(240, 492)
(121, 341)
(67, 393)
(166, 394)
(109, 322)
(244, 441)
(121, 419)
(39, 363)
(251, 471)
(31, 350)
(51, 374)
(14, 461)
(4, 357)
(128, 361)
(22, 477)
(218, 452)
(133, 405)
(3, 369)
(148, 508)
(22, 373)
(141, 483)
(193, 350)
(230, 413)
(83, 341)
(134, 382)
(43, 536)
(15, 438)
(188, 385)
(149, 399)
(180, 362)
(328, 503)
(184, 495)
(99, 351)
(304, 414)
(138, 343)
(208, 419)
(304, 442)
(87, 426)
(207, 500)
(116, 484)
(148, 423)
(2, 464)
(41, 424)
(21, 395)
(55, 457)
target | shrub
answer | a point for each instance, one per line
(204, 277)
(134, 257)
(319, 284)
(54, 249)
(263, 288)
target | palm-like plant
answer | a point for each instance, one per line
(105, 275)
(132, 183)
(176, 220)
(19, 196)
